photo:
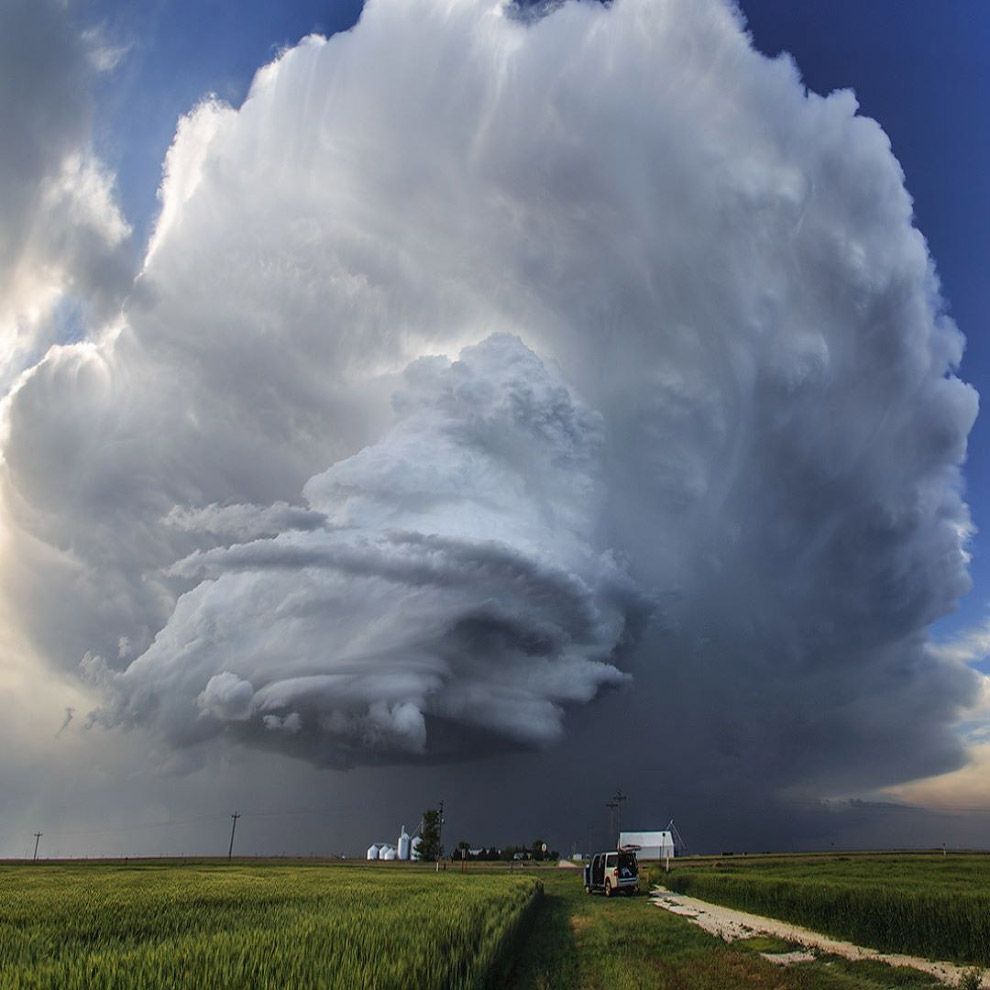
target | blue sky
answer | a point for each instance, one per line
(180, 51)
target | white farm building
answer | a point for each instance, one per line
(652, 845)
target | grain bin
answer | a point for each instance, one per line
(387, 852)
(373, 850)
(404, 848)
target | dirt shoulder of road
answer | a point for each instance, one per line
(730, 924)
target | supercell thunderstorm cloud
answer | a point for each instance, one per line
(486, 368)
(455, 579)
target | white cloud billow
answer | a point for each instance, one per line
(63, 238)
(455, 582)
(721, 265)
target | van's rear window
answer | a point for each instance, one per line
(627, 862)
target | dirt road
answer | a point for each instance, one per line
(730, 924)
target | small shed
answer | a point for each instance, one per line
(652, 845)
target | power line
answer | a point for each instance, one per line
(196, 819)
(135, 828)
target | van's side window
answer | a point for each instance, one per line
(610, 861)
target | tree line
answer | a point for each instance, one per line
(431, 845)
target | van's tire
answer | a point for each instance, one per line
(608, 888)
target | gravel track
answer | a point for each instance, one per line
(730, 924)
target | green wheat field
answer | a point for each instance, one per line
(296, 925)
(89, 927)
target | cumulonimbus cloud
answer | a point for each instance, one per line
(453, 595)
(722, 266)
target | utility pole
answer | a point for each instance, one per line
(440, 836)
(37, 839)
(618, 798)
(233, 829)
(612, 806)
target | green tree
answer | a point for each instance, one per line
(429, 834)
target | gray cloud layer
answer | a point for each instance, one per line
(223, 508)
(62, 238)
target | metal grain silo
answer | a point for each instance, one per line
(373, 850)
(405, 844)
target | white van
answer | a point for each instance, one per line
(612, 873)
